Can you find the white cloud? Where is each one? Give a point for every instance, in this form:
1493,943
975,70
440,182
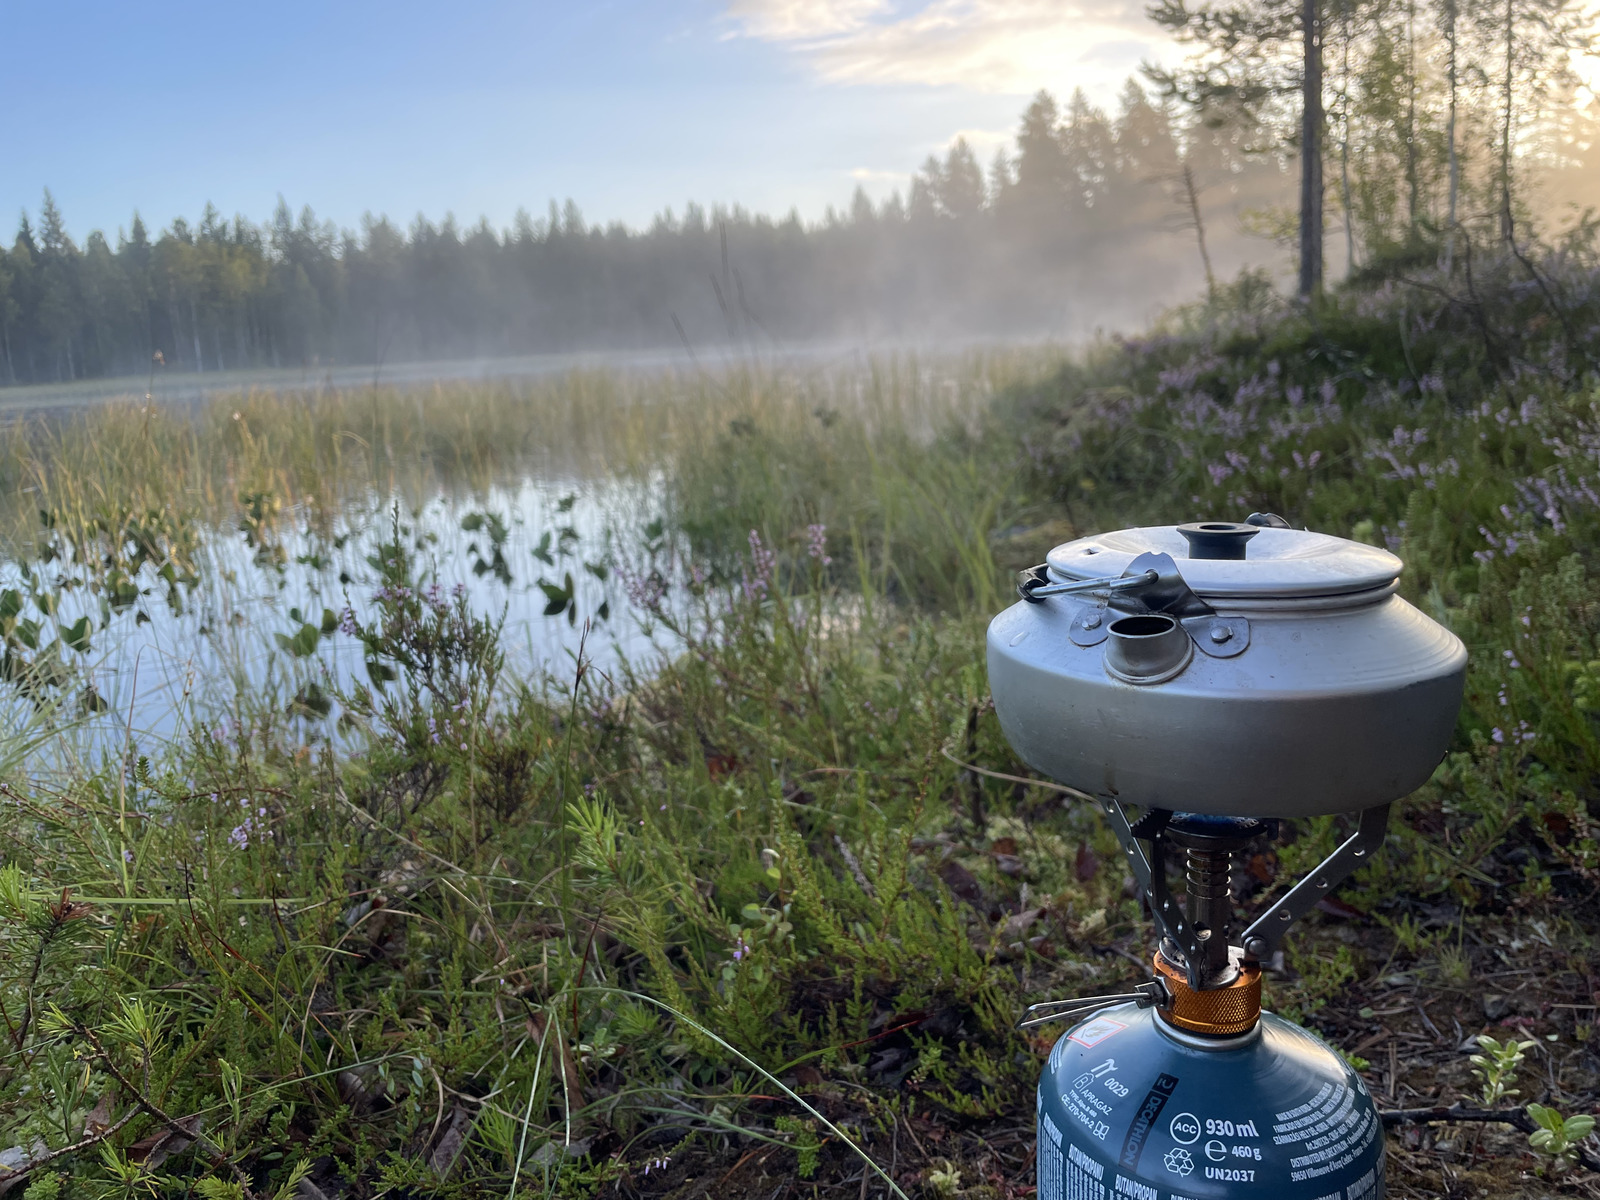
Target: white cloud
783,20
998,46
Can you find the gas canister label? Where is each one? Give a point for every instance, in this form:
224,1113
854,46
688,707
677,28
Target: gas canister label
1331,1132
1096,1031
1116,1123
1070,1176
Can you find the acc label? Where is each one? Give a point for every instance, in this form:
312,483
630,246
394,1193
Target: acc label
1185,1129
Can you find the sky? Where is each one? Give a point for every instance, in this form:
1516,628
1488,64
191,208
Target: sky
479,107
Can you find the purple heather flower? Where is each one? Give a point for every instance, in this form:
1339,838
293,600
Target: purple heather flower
763,563
817,546
644,591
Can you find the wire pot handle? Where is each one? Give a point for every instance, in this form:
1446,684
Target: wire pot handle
1034,584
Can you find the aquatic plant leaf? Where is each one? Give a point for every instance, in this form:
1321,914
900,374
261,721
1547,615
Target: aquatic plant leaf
77,635
302,643
558,596
311,702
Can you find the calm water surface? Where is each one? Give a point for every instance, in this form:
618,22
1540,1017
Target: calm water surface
159,675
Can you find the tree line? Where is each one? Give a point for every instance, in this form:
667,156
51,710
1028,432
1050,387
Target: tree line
1443,124
1436,116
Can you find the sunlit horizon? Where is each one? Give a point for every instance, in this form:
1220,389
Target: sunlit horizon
626,108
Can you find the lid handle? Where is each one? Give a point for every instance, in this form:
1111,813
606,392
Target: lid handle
1218,539
1266,521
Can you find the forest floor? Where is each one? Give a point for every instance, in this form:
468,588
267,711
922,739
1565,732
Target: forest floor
1410,1027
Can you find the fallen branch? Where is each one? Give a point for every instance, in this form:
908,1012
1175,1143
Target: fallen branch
1517,1118
15,1174
188,1133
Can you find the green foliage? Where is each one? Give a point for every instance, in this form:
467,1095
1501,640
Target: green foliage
944,1181
502,921
310,947
1557,1139
803,1136
1496,1067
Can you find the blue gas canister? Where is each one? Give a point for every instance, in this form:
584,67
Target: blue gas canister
1131,1107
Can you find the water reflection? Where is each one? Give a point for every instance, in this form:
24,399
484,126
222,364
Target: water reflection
262,621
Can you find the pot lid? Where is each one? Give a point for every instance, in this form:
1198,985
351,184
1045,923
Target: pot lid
1277,563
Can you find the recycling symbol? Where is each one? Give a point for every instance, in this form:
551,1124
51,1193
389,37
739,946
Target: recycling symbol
1179,1161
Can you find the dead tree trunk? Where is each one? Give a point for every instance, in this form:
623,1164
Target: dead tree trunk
1192,194
1311,156
1507,224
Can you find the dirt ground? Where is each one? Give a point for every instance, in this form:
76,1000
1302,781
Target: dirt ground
1413,1029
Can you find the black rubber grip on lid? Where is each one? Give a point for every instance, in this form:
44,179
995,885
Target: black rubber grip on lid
1218,539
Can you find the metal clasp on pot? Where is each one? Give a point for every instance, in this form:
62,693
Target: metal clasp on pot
1152,584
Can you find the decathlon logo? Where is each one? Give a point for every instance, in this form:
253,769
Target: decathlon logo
1144,1120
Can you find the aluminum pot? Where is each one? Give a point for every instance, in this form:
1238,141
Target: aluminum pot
1240,669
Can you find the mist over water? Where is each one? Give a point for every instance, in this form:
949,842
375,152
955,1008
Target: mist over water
1092,226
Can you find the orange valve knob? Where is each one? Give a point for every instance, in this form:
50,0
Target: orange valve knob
1223,1011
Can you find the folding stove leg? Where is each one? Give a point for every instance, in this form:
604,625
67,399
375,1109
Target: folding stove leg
1150,873
1266,931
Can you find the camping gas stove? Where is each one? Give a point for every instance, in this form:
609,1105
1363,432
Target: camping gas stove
1216,676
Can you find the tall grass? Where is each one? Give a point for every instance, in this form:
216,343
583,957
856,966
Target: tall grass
314,448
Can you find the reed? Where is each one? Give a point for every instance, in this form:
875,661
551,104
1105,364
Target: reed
315,447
